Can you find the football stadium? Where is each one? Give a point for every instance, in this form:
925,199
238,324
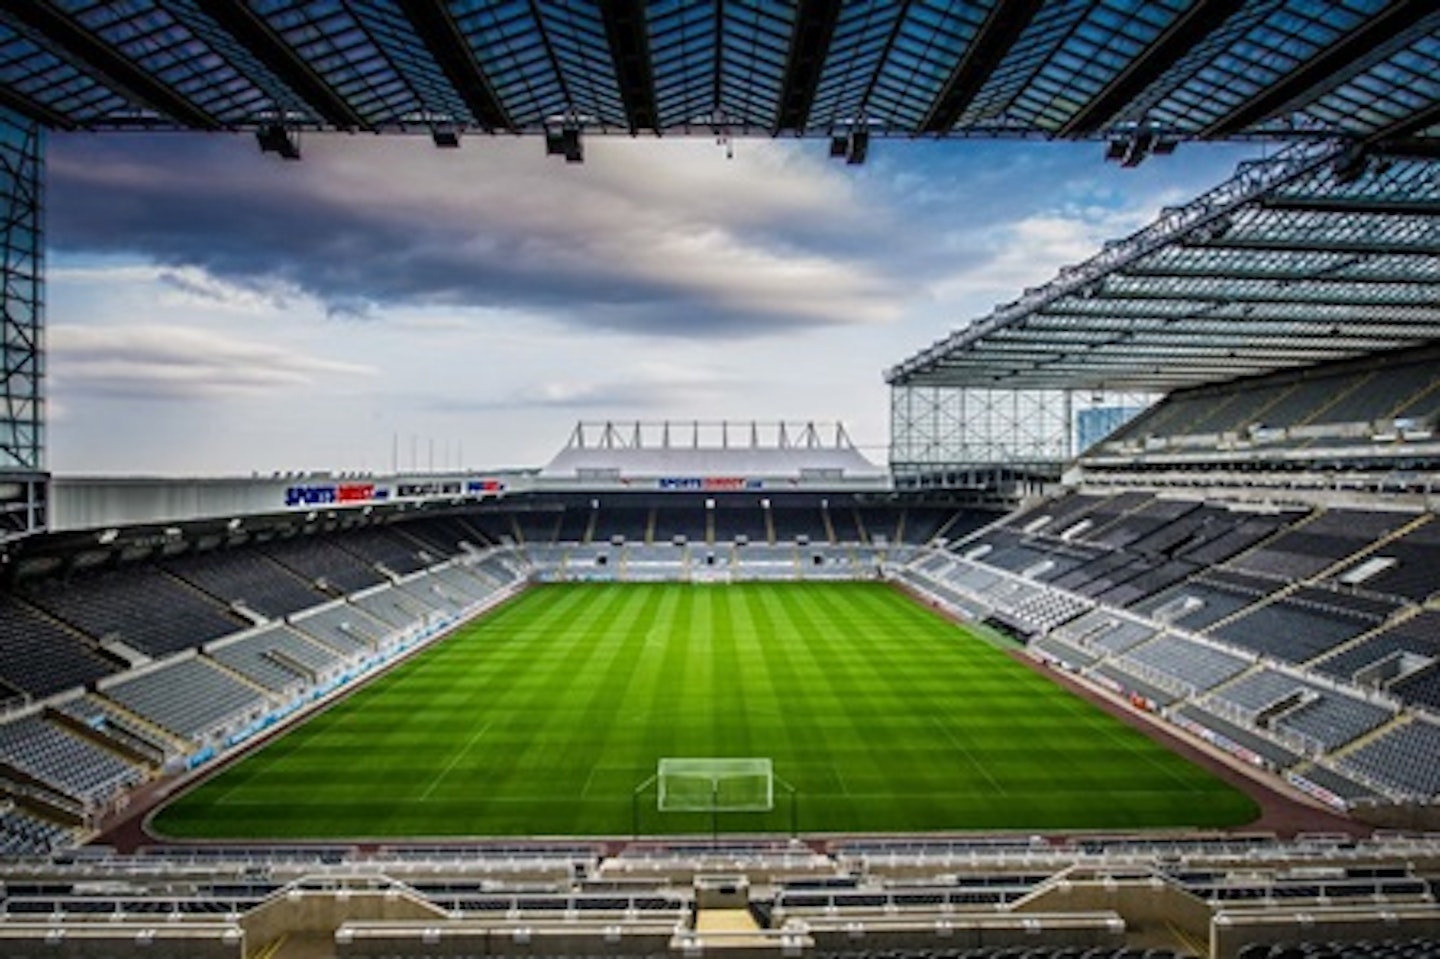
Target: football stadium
1127,646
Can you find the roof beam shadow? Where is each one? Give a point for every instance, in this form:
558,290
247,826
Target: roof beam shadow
628,35
1327,69
443,38
253,33
1358,205
66,33
814,28
1189,29
996,36
34,110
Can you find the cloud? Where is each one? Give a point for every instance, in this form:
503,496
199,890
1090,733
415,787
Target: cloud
649,386
1031,250
177,363
653,238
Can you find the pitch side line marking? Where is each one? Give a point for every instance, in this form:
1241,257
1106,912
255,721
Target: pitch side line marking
451,765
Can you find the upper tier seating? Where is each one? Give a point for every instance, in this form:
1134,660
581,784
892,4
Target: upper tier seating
40,657
539,527
1300,405
1405,566
1419,634
1290,631
141,606
247,576
1306,549
319,560
438,536
384,547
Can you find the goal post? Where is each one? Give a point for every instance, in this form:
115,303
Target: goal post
715,785
687,788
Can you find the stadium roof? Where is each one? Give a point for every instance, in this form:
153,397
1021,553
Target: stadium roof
1317,253
1151,72
698,449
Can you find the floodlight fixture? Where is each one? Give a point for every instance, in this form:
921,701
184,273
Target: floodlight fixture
445,136
275,138
565,141
859,147
574,148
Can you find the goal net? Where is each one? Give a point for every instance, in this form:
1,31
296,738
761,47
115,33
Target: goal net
715,785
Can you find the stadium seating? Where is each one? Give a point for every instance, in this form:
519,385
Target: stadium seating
1404,758
276,658
63,761
40,657
248,577
345,629
189,697
143,607
323,563
1317,408
1318,715
23,834
380,546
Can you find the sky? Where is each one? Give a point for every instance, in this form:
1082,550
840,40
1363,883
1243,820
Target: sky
215,311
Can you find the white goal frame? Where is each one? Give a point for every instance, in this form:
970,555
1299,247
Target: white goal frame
715,785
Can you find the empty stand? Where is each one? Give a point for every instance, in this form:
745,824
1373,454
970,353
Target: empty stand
73,766
249,577
324,564
143,607
190,698
41,657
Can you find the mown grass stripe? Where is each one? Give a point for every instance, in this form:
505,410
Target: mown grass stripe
541,719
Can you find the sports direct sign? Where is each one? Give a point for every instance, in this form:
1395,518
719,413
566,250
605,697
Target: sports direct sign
708,484
354,494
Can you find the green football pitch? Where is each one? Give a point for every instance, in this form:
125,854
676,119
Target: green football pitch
542,718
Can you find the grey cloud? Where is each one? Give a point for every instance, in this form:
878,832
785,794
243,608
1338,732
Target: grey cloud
672,245
169,363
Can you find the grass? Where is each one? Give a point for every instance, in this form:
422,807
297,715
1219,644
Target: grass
542,718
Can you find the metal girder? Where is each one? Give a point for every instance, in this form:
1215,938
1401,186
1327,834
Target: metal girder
31,109
1293,329
64,32
432,21
629,39
1366,206
1262,244
1324,274
1188,30
1007,20
814,27
1327,69
1238,297
265,45
1422,312
1418,122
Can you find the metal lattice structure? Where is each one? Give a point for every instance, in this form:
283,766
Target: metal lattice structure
1150,72
1313,255
22,481
1321,251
